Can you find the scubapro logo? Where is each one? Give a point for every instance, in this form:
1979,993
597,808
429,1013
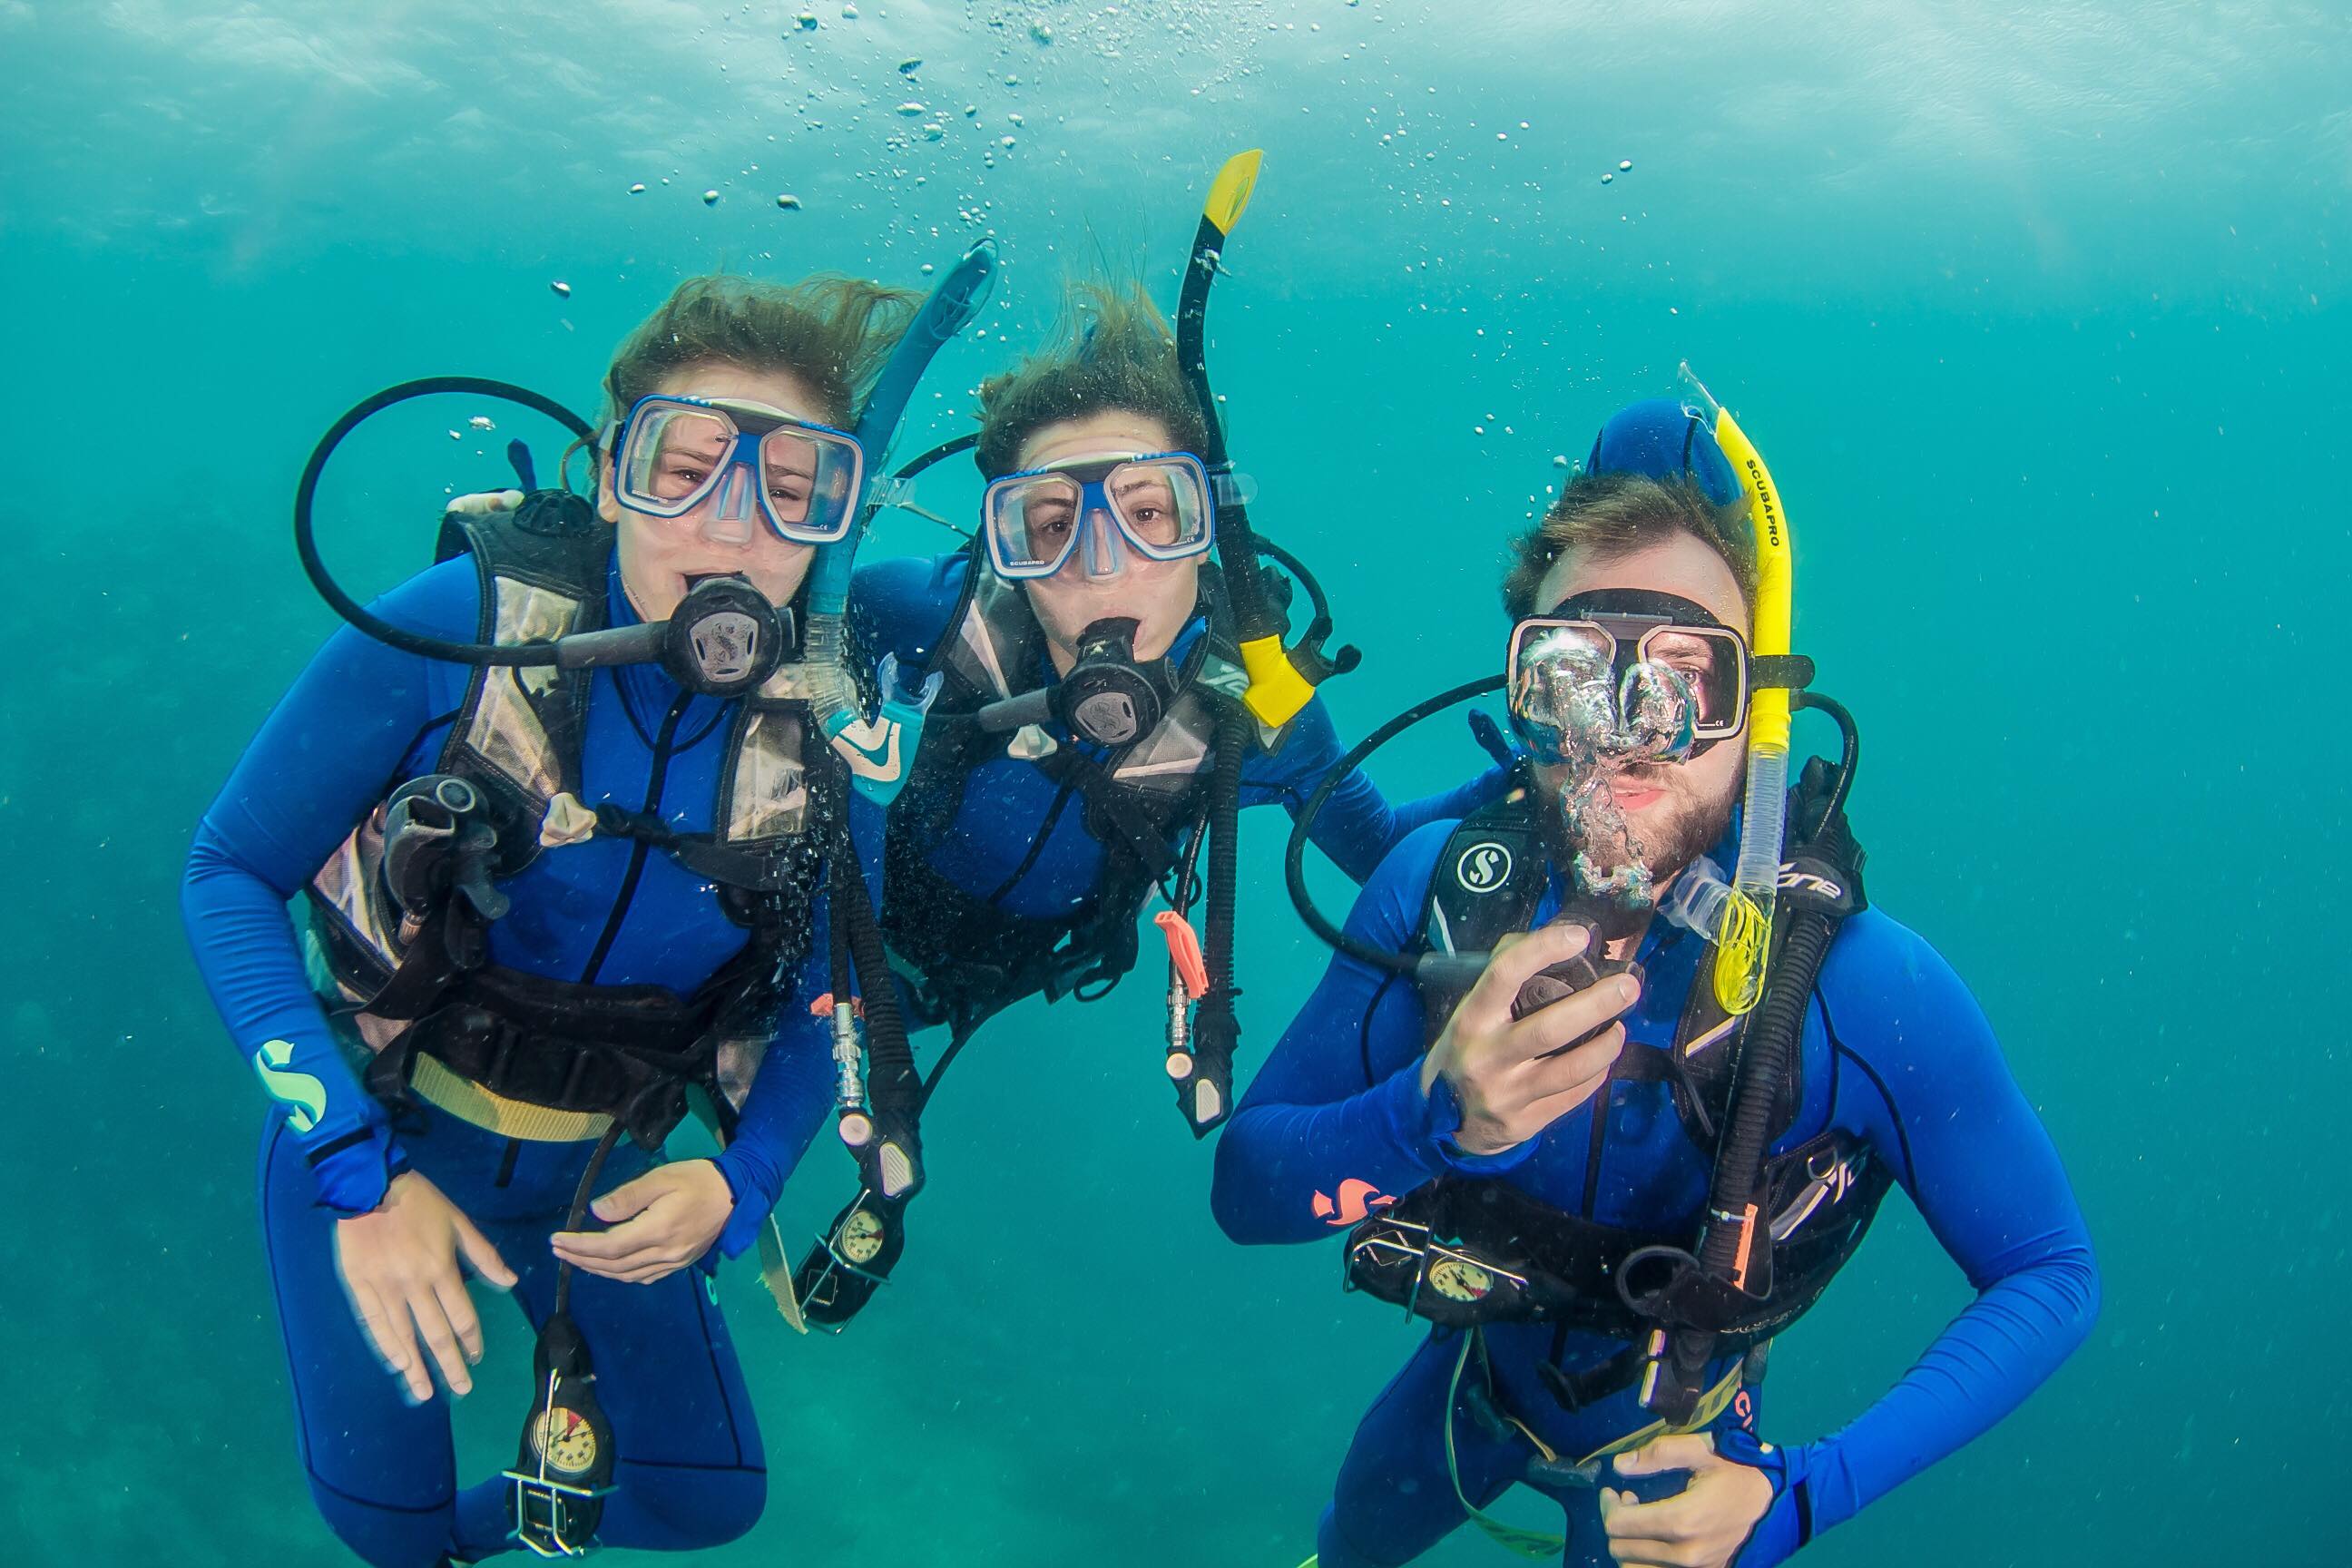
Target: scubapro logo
1483,867
304,1097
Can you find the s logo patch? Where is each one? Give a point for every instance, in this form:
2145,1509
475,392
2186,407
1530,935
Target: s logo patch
304,1097
1483,867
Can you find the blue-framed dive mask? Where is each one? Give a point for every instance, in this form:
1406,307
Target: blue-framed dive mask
732,464
1159,505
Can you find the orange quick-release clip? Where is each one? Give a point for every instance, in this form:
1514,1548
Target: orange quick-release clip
1184,950
823,1007
1747,1248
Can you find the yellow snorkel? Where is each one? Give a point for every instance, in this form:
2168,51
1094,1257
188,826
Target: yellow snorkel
1745,942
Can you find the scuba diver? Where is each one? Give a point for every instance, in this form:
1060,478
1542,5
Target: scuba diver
585,816
1610,1116
1112,698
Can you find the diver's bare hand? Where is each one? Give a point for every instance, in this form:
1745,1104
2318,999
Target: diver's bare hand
661,1222
1704,1525
479,503
1510,1089
399,1263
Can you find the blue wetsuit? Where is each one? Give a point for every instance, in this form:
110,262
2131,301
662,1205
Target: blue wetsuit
991,847
361,719
1895,1051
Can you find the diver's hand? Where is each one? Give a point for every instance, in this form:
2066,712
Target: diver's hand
661,1222
482,502
399,1263
1702,1526
1510,1089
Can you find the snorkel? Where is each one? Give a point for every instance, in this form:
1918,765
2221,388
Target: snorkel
1745,942
880,751
1281,679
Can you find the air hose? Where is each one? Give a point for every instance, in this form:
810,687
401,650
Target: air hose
1769,1052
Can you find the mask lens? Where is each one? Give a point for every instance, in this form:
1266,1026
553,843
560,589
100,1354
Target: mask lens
1709,661
811,484
1032,522
1561,685
1162,507
1552,664
672,457
789,467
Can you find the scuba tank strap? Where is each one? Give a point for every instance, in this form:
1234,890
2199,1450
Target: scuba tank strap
1203,1078
1113,806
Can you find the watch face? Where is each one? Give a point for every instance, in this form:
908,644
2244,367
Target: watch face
861,1236
566,1441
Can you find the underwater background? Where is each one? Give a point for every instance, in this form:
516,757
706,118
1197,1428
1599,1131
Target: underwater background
2039,313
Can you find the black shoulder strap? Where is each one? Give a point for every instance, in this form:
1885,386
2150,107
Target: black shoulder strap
554,540
1490,878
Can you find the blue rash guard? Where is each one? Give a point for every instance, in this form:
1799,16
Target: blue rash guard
903,606
1895,1051
360,720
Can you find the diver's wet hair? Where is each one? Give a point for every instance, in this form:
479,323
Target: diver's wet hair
1112,349
830,332
1610,516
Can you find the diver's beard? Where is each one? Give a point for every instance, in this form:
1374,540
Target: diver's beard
1616,860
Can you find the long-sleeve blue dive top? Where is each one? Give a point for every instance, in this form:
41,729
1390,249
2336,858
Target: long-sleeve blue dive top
991,847
1895,1051
363,717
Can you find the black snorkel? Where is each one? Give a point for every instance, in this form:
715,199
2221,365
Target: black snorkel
1281,678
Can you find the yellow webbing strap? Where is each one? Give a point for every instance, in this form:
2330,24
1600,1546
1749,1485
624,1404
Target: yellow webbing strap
469,1101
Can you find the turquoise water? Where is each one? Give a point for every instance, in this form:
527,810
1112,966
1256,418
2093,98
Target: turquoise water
2039,317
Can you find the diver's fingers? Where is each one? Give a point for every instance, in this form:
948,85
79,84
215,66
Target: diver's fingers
441,1339
1487,1007
646,1273
1558,1085
1691,1451
479,1255
1627,1543
1668,1525
588,1248
391,1338
483,501
1580,1012
458,1307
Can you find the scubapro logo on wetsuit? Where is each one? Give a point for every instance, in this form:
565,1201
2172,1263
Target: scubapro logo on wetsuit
1483,867
304,1097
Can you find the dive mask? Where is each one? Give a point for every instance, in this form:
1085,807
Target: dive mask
744,461
1160,506
1627,674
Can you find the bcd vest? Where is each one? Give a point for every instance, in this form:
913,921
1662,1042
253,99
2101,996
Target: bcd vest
1464,1250
624,1050
964,957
